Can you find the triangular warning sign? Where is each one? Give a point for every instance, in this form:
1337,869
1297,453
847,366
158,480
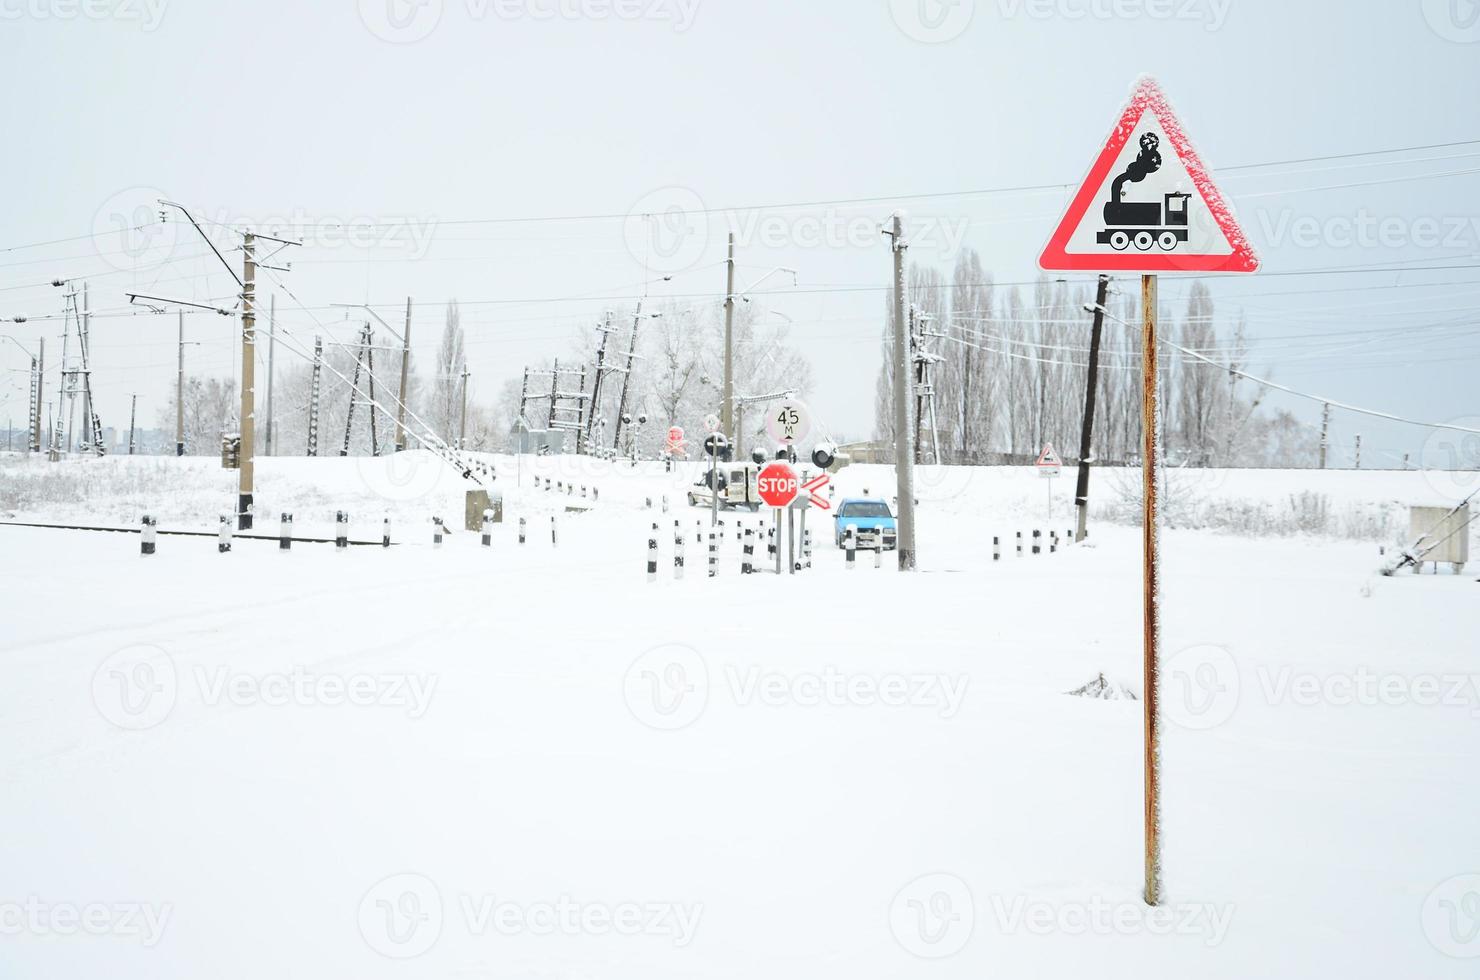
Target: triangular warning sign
1148,204
1048,457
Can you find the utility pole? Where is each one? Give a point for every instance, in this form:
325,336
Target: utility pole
1150,594
1325,427
180,391
727,394
40,383
405,369
1359,451
462,425
605,329
627,378
313,396
904,465
1087,434
269,447
133,414
249,385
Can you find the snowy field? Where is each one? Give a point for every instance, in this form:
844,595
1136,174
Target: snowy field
528,761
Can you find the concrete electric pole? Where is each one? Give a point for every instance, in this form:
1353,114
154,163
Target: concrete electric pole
904,456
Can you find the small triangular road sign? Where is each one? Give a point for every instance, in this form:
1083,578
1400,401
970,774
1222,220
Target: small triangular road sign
1048,457
1148,205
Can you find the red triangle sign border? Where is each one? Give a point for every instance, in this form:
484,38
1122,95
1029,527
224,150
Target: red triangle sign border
1147,95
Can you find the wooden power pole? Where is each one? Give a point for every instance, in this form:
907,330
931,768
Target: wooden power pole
1087,434
727,391
904,461
405,368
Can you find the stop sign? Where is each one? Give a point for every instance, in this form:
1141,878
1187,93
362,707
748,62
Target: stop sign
777,484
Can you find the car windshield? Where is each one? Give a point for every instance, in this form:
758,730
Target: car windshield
865,508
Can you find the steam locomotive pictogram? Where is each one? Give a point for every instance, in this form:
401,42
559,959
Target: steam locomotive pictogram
1144,223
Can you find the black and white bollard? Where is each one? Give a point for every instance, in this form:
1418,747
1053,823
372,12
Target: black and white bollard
677,550
385,533
806,547
1053,542
559,486
146,536
521,530
665,503
1020,544
553,541
771,545
647,503
488,529
747,557
341,530
595,494
437,532
1037,544
583,491
850,544
285,532
652,561
713,555
878,548
223,539
698,532
996,548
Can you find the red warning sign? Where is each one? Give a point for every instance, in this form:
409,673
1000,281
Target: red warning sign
1148,205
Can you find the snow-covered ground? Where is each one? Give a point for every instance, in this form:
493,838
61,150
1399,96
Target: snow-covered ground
529,761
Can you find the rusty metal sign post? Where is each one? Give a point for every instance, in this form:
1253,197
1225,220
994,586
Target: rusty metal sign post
1150,465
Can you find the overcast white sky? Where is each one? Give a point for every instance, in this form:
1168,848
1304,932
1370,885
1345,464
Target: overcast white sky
429,119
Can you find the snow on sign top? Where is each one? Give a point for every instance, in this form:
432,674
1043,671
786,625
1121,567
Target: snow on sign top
1148,204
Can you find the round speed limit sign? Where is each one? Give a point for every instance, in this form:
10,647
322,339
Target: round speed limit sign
788,422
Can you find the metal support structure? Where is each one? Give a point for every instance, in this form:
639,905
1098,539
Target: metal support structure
133,416
1325,429
727,392
180,391
248,422
313,396
269,446
583,440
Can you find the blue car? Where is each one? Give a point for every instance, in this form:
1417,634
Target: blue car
871,517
